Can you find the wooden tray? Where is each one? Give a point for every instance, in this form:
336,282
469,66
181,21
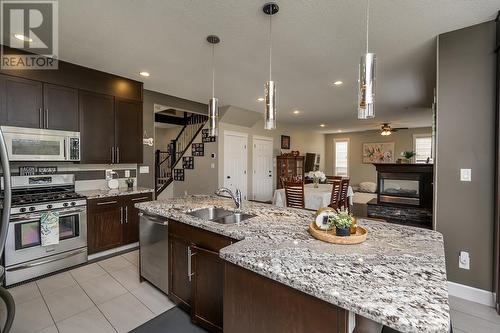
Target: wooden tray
330,237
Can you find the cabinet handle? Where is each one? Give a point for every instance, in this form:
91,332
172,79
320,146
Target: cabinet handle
106,203
40,117
126,214
46,118
117,154
189,255
121,215
141,198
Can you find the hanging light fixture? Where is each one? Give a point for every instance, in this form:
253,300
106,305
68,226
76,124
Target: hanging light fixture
270,9
366,82
213,103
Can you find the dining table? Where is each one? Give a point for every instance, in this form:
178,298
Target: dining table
314,197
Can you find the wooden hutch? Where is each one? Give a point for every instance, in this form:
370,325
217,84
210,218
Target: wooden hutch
289,167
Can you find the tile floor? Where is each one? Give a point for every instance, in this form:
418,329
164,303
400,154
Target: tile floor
106,296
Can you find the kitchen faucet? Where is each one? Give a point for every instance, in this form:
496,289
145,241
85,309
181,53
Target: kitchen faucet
236,198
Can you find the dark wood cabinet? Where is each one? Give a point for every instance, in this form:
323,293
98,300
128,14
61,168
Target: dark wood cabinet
60,108
289,168
113,221
97,127
21,102
196,278
128,131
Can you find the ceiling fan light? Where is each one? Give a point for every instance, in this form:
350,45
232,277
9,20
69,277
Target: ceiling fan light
270,113
366,87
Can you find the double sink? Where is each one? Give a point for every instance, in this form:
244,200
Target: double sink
220,215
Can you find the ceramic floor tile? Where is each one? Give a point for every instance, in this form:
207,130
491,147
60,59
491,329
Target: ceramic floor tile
50,329
90,320
128,277
132,257
87,272
154,299
472,324
103,288
32,316
475,309
67,302
25,292
55,282
114,264
126,312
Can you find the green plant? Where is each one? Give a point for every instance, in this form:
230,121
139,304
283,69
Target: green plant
408,154
341,219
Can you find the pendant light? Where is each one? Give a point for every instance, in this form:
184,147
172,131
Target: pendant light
213,103
270,9
366,83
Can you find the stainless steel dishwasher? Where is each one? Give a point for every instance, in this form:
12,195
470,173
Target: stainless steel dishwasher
153,242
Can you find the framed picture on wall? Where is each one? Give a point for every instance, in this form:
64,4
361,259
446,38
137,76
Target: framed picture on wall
378,152
285,142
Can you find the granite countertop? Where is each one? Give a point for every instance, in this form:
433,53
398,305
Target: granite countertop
397,277
95,194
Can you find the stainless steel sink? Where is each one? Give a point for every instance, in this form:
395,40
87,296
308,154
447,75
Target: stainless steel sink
210,213
233,218
219,215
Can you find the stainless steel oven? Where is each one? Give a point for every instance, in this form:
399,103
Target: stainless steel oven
33,144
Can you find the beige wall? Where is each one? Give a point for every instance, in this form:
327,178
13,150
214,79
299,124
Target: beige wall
163,136
305,141
358,171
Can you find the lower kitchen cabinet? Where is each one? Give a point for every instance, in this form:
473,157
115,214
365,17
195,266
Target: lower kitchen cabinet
113,221
196,278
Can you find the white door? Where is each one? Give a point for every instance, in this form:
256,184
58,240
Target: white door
235,162
262,183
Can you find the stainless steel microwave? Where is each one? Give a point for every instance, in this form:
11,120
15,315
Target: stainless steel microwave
33,144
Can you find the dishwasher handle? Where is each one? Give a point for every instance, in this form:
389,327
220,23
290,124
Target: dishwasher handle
154,219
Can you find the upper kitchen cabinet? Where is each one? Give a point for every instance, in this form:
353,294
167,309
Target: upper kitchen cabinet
60,107
128,131
21,102
97,126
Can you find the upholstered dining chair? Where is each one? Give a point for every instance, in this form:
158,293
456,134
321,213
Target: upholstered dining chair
331,179
294,192
344,186
336,189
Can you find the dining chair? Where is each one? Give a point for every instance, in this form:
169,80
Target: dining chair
294,193
336,189
344,200
331,179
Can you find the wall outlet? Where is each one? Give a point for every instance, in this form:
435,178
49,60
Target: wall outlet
465,175
127,173
144,169
109,174
464,260
212,155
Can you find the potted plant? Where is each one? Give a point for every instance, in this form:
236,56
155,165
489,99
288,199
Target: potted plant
407,155
316,176
342,220
130,183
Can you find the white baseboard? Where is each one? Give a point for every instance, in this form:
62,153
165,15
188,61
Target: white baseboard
471,294
113,251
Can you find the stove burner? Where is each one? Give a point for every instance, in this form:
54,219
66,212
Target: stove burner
23,199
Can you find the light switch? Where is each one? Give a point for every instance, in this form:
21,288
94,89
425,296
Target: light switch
144,169
465,175
127,173
212,165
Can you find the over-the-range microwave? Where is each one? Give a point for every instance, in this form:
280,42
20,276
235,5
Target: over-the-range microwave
33,144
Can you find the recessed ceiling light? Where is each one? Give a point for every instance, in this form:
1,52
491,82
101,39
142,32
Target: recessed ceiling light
23,38
146,74
338,83
296,111
322,125
260,99
339,131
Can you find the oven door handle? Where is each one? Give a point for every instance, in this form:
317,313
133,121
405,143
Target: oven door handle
34,217
47,261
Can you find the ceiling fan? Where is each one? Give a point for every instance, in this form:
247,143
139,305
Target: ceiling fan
387,130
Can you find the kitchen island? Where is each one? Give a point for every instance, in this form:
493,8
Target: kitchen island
397,277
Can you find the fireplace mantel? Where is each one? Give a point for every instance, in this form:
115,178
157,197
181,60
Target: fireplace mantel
396,167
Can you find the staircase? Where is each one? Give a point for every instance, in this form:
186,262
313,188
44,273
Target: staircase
166,161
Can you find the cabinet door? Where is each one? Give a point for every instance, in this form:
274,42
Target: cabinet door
104,224
60,107
128,131
131,217
179,270
208,289
97,125
20,102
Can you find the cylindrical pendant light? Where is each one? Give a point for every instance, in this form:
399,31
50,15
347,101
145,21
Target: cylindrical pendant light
270,9
213,103
366,82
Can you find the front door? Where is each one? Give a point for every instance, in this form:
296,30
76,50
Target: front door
235,162
262,169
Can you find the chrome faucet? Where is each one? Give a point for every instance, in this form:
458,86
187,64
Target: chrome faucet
236,198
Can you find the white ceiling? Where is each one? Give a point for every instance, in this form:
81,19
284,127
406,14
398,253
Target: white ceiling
316,42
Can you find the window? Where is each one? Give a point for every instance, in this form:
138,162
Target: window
422,145
341,157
